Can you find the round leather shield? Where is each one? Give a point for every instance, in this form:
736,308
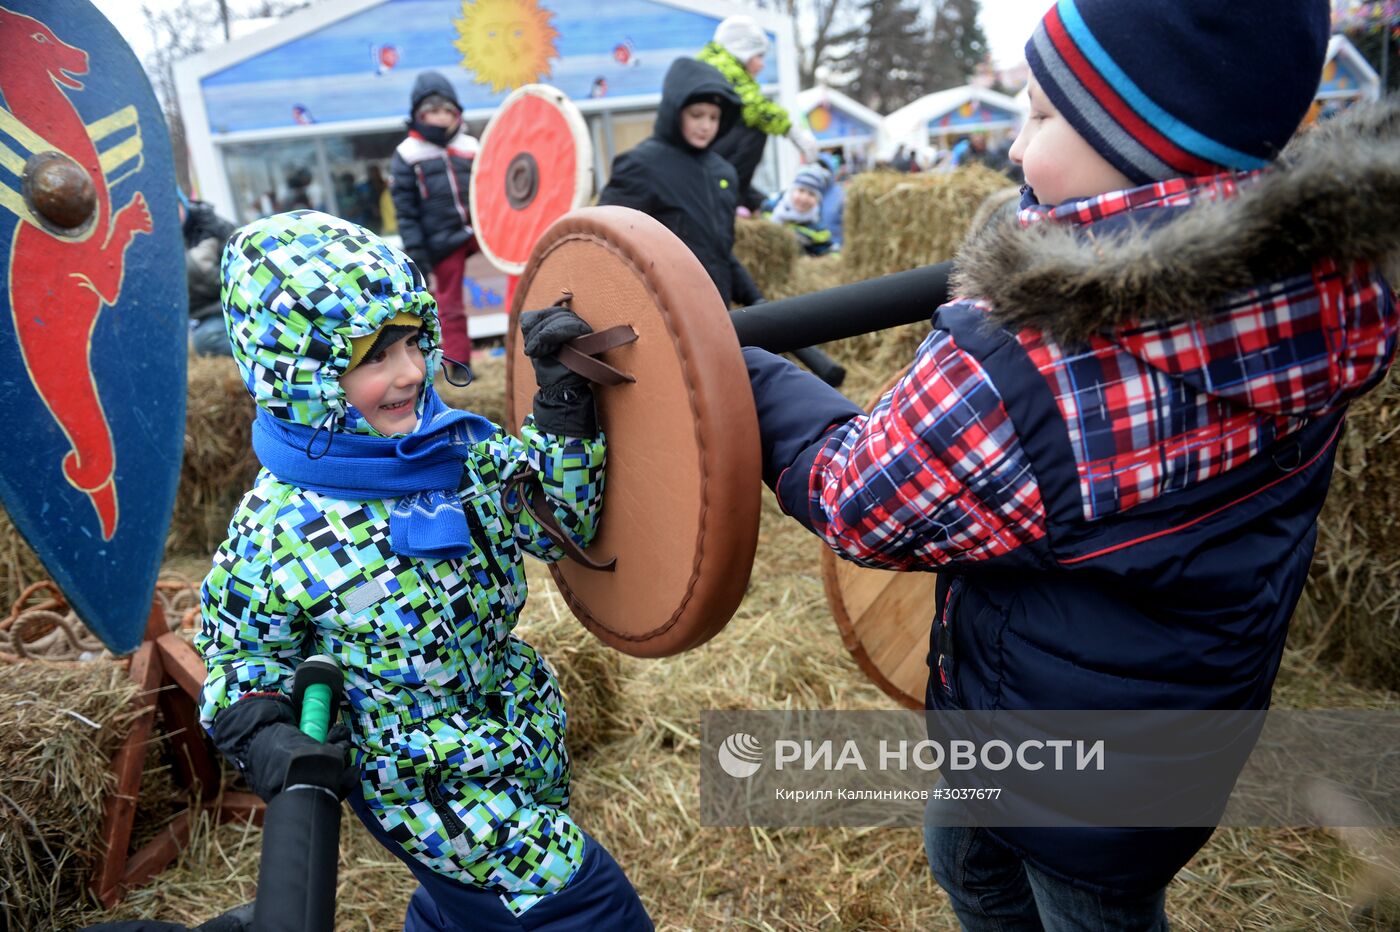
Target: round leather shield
535,165
883,618
681,506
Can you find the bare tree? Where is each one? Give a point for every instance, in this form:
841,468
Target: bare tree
822,31
904,49
176,33
185,30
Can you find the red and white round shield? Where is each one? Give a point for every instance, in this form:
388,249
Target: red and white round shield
535,165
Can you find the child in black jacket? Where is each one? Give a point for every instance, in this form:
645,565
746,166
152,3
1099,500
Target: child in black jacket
674,177
431,170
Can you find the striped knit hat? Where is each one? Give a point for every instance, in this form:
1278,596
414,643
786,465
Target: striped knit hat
1165,88
814,178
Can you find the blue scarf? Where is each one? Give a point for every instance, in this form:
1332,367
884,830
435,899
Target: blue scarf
423,470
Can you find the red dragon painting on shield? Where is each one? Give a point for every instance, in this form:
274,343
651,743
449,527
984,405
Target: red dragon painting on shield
60,281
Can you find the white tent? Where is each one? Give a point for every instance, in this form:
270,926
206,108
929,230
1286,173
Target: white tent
1346,78
954,112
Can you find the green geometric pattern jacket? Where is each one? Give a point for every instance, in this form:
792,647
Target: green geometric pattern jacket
458,726
759,112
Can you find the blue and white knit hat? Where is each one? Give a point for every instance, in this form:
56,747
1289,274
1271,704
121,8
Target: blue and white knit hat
814,178
1186,87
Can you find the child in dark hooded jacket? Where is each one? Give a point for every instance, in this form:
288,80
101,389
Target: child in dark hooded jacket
679,181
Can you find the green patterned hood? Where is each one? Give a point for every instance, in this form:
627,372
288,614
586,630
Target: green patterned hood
297,288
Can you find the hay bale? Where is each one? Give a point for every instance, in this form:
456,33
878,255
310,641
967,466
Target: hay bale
486,395
769,252
897,221
814,273
1350,612
219,464
56,780
218,870
639,795
19,567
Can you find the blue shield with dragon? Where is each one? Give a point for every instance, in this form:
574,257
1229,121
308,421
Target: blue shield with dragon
93,331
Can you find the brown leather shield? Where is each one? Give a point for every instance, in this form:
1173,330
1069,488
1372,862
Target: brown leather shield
682,486
883,618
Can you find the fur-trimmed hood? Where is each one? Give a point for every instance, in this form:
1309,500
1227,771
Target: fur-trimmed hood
1333,194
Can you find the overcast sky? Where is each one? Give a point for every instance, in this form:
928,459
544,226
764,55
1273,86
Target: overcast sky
126,16
1007,23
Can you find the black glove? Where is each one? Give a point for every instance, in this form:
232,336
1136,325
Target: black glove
257,734
564,402
339,737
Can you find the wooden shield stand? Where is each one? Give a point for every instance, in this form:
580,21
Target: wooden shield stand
170,674
884,618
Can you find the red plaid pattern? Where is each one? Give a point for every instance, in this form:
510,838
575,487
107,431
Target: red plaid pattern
1137,433
934,474
1173,192
1165,406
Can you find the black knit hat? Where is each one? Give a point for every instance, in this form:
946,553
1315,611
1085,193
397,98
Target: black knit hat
1181,88
428,84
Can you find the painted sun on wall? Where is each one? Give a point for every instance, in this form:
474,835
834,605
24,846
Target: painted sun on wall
506,43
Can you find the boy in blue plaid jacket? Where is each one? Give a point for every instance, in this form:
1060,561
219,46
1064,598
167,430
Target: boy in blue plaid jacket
1115,446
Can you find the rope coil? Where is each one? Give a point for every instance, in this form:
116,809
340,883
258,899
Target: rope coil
41,625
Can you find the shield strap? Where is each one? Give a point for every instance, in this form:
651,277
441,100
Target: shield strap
530,497
579,355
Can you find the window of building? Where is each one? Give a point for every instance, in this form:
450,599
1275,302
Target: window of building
347,176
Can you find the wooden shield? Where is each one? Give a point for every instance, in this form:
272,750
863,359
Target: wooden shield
681,500
93,321
884,618
535,165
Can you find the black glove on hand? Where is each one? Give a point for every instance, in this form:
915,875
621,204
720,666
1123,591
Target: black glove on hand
564,403
339,737
257,734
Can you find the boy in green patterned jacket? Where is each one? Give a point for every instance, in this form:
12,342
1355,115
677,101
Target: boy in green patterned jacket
385,530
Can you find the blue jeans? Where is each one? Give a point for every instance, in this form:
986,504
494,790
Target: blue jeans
993,890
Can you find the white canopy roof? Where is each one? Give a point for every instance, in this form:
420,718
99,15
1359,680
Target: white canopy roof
910,124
